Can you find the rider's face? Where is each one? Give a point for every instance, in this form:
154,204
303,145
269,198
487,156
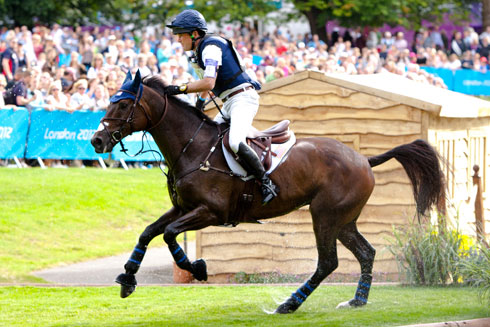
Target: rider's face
186,41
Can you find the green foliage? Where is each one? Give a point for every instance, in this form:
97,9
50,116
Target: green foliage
206,305
427,255
233,11
350,13
55,216
476,271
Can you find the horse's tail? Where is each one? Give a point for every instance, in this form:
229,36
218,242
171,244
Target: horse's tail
421,162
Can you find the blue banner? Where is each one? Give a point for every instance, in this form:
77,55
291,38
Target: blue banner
465,81
471,82
133,143
13,132
63,135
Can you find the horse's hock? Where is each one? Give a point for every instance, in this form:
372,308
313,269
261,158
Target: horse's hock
372,114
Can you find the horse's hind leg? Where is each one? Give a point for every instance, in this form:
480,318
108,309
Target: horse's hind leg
327,262
127,280
364,253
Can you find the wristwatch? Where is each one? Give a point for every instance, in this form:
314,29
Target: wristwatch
183,88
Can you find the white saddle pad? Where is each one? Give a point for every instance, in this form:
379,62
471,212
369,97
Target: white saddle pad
281,150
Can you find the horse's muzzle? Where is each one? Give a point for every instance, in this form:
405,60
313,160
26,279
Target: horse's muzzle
101,143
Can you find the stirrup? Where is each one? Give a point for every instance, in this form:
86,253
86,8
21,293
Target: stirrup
269,191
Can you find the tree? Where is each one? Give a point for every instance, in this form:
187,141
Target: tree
375,13
485,13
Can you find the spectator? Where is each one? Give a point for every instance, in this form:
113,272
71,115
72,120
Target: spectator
10,60
3,85
466,61
75,63
111,88
400,43
141,64
454,62
436,37
101,98
484,48
387,39
17,95
97,64
56,99
79,99
458,46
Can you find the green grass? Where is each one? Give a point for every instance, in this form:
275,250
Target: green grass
232,306
59,216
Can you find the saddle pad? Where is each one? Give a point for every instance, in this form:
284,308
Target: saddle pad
281,150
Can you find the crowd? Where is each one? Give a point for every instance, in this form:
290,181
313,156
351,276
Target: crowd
63,68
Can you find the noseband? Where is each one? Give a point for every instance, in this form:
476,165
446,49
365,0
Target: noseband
116,136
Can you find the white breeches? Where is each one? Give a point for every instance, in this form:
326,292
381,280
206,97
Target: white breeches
241,110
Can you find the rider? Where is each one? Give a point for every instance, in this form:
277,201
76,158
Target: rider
219,66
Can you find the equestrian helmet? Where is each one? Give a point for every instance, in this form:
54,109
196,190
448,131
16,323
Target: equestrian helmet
187,21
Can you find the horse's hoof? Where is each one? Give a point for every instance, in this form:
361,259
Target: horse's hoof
199,270
351,304
289,306
128,284
126,291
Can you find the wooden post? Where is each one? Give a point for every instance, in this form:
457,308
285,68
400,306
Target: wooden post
479,220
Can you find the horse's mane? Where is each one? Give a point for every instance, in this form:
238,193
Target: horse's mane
157,84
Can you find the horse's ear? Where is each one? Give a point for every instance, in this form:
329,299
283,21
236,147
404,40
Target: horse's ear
137,78
136,84
128,77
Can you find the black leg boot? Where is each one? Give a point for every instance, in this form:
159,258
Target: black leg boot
253,166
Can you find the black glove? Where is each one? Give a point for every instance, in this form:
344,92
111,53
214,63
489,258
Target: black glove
176,89
200,104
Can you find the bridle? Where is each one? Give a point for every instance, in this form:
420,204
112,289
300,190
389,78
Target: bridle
116,136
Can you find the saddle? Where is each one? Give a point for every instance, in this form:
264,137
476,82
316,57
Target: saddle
261,141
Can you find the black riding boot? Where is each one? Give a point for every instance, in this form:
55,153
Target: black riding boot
253,166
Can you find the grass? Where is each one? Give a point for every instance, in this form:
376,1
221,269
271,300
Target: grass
232,306
59,216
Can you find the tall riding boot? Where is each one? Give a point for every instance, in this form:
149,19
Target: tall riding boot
252,164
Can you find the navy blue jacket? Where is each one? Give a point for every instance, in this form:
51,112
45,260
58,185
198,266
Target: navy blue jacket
230,74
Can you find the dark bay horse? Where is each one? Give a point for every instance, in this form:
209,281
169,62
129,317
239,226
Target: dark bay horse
334,180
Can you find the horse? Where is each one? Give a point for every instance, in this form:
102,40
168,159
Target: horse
333,179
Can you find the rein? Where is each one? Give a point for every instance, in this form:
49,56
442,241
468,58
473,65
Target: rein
116,136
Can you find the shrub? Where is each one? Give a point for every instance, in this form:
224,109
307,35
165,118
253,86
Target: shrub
428,255
476,271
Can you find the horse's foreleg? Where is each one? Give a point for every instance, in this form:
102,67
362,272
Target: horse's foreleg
128,280
327,262
364,253
194,220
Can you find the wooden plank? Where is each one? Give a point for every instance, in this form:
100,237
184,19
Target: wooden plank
299,266
356,100
279,112
390,176
350,126
386,141
310,86
392,193
388,214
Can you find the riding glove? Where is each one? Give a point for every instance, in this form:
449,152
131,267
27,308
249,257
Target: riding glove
176,89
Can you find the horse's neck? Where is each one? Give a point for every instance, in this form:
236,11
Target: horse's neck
175,132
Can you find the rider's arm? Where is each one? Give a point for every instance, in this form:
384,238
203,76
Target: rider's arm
211,57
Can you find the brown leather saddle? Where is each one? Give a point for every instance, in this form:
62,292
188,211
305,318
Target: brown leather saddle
261,141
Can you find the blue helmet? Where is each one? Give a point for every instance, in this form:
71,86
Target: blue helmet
187,21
